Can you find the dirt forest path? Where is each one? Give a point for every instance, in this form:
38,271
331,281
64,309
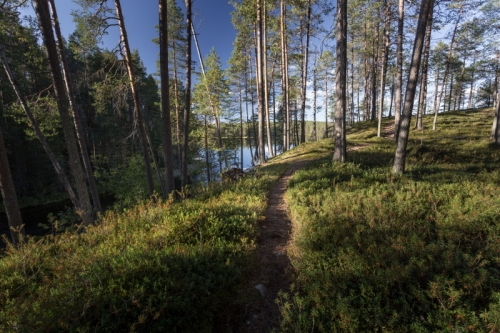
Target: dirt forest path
274,271
274,268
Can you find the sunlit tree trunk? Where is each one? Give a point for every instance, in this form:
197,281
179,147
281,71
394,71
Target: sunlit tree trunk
447,68
304,75
385,59
265,81
260,84
399,65
339,154
404,129
285,84
425,69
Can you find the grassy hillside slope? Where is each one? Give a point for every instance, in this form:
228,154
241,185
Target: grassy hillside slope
420,252
157,267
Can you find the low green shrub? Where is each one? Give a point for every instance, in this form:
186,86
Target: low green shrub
375,252
160,266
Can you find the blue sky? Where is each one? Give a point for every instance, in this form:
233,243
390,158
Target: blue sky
212,21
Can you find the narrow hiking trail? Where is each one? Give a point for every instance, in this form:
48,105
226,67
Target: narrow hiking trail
274,268
274,271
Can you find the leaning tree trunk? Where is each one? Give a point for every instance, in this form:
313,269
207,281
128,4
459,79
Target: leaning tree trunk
404,129
43,14
339,154
425,70
53,159
135,97
8,190
76,114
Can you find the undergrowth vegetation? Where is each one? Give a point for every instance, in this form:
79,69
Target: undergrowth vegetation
157,267
375,252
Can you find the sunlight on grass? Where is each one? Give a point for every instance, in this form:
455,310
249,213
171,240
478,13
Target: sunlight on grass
411,253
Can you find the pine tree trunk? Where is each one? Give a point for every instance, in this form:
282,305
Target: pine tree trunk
404,130
399,65
76,114
135,96
260,84
447,68
285,85
304,75
42,11
8,191
264,78
339,154
425,70
165,99
187,103
53,159
385,59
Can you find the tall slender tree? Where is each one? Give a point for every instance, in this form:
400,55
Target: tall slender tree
404,129
165,98
341,84
43,14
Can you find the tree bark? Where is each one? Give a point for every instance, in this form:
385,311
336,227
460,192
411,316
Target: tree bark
165,99
8,191
264,78
53,159
260,84
304,75
497,114
76,114
285,84
43,14
341,84
135,97
399,65
404,130
385,59
187,103
425,70
447,68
